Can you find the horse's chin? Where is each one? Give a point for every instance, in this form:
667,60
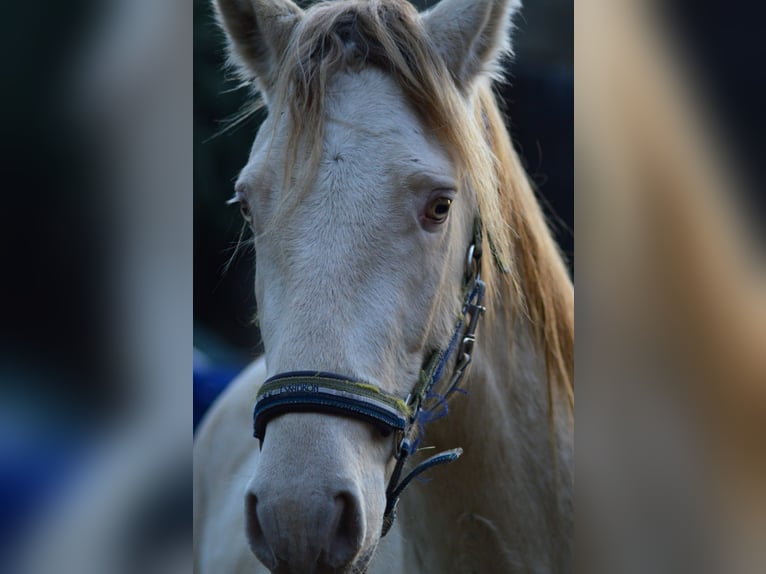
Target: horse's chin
362,563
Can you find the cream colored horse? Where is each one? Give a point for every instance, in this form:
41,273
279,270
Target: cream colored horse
382,145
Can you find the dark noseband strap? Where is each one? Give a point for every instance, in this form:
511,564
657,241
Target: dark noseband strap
318,392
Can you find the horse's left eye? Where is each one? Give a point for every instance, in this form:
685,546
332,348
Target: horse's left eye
244,209
438,210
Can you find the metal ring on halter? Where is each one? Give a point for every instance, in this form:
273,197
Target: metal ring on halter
468,343
471,264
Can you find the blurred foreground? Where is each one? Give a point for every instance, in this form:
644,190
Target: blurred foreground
671,305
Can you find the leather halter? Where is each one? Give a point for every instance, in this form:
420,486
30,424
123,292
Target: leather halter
328,393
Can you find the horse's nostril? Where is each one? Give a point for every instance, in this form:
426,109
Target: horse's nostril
347,530
304,534
255,536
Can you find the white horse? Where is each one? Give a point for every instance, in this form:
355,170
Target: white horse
383,148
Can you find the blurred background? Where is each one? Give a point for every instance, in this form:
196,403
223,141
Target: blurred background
539,103
95,296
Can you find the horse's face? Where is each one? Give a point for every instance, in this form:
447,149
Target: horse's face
361,276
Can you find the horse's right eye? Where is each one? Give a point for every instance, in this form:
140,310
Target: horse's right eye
438,210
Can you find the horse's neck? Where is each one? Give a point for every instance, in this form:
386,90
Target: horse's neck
506,505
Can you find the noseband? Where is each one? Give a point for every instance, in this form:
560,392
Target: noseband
328,393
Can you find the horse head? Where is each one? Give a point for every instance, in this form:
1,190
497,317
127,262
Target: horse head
361,193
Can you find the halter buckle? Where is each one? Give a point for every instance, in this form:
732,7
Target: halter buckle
467,345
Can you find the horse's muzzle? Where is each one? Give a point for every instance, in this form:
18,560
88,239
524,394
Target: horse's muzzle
317,533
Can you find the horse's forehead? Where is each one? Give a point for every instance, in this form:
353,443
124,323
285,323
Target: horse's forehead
370,106
372,137
367,117
370,125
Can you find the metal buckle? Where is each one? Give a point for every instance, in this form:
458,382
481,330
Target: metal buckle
475,311
399,443
467,345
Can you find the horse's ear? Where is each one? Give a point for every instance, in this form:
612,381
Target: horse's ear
471,35
258,33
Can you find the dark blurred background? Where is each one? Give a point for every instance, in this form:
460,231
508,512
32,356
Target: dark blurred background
539,102
726,51
95,288
53,356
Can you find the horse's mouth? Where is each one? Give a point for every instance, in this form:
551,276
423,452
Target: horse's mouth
359,566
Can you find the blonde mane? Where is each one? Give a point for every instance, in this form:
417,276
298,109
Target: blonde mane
388,34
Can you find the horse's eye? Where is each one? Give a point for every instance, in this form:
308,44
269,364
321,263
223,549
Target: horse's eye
244,209
438,210
240,199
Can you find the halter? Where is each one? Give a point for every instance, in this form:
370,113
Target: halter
320,392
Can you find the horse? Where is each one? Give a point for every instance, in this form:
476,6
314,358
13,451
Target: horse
398,240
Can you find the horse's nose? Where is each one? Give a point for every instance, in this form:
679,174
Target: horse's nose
320,534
